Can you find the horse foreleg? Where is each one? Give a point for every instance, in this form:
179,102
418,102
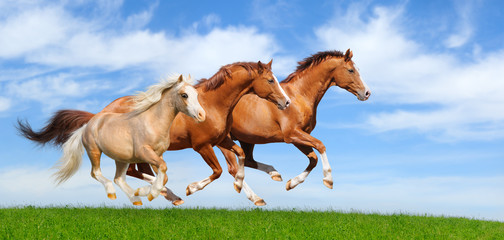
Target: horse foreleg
166,192
301,138
145,173
120,180
208,155
312,157
248,148
233,168
149,156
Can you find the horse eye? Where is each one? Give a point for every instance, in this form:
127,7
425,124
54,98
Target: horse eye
184,95
351,70
271,80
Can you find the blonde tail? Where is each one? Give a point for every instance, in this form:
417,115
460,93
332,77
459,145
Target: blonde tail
71,160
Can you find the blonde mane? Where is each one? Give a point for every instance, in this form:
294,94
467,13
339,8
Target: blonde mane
144,100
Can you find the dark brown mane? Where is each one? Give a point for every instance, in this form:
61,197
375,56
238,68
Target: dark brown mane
225,71
313,60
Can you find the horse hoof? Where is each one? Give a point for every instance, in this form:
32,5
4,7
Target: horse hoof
238,189
150,197
138,203
288,185
187,191
277,178
178,202
112,196
260,202
328,183
137,192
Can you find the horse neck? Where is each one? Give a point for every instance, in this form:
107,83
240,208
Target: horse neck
312,83
161,114
226,96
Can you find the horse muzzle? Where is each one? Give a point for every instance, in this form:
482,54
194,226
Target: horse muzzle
364,96
284,105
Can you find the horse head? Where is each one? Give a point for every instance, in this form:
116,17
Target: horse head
266,85
348,78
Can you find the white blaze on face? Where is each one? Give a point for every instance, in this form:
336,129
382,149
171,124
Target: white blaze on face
281,89
366,88
193,105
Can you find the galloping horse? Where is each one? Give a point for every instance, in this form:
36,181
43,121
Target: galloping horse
257,122
140,136
218,95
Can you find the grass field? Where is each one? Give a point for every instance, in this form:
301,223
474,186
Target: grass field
130,223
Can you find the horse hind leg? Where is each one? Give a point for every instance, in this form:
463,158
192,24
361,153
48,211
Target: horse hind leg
94,156
226,147
250,162
209,156
312,156
301,138
120,180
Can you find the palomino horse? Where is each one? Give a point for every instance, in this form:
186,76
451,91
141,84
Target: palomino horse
140,136
218,95
257,122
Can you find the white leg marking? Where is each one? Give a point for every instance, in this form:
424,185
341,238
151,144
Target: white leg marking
297,180
240,174
149,178
252,196
328,180
326,167
196,186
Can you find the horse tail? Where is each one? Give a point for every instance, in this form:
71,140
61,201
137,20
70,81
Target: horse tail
58,129
69,163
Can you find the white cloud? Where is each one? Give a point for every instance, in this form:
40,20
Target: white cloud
5,104
441,95
140,20
465,28
30,30
50,39
52,90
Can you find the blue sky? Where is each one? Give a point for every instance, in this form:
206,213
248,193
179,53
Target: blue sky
428,141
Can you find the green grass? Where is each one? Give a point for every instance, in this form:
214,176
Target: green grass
173,223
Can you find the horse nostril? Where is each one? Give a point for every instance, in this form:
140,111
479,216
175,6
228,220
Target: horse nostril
201,115
287,103
368,93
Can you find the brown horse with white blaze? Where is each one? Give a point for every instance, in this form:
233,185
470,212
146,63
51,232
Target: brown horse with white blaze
257,122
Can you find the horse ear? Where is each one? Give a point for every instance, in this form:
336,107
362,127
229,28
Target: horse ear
269,64
180,79
261,67
189,78
348,55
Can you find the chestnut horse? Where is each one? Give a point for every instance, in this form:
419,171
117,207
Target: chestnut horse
218,96
140,136
257,122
